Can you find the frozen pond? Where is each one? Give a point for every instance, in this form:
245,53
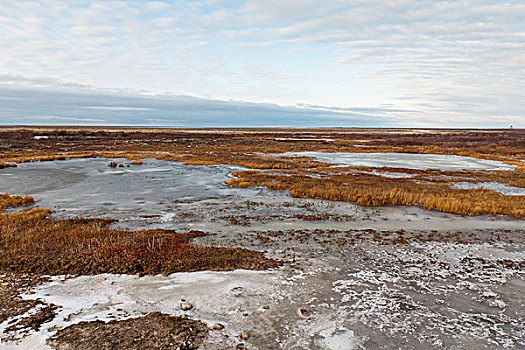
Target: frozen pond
90,187
505,190
172,195
405,160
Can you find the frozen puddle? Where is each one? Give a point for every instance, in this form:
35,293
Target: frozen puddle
238,299
301,139
405,160
505,190
390,174
89,187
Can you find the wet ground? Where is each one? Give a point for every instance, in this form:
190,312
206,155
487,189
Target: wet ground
354,277
176,196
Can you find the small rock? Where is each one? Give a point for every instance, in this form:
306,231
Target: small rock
218,326
304,311
489,294
237,291
498,303
184,305
244,336
472,286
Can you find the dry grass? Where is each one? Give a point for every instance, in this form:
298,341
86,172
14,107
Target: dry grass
153,331
7,201
32,242
4,165
373,190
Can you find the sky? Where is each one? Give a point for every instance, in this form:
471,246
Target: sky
402,63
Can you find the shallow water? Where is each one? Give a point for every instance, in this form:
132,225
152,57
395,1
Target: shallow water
90,187
405,160
175,196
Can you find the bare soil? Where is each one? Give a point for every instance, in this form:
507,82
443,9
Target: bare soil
153,331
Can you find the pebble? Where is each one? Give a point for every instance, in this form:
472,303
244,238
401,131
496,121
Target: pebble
237,291
218,326
304,312
498,303
489,294
244,336
184,305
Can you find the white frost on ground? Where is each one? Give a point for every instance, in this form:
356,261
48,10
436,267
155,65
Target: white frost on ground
107,296
217,297
384,298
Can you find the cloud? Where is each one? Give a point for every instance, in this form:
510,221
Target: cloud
118,108
455,59
54,118
76,107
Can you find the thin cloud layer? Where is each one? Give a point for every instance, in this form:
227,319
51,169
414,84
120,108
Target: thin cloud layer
442,62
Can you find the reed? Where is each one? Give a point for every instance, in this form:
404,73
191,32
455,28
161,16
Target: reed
372,190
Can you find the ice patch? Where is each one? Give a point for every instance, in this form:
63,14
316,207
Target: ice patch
505,190
107,296
404,160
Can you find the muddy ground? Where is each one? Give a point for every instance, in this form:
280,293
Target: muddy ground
353,277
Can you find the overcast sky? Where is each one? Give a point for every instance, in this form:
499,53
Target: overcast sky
401,63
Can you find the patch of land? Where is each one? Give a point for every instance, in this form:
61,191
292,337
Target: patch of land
221,238
153,331
17,310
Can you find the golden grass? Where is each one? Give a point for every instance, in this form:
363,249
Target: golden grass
32,242
372,190
4,165
7,201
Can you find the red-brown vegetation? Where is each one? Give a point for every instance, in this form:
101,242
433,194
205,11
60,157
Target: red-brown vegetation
30,241
153,331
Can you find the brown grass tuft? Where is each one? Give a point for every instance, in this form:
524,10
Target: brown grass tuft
372,190
32,242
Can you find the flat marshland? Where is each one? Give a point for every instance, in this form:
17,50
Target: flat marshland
287,238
